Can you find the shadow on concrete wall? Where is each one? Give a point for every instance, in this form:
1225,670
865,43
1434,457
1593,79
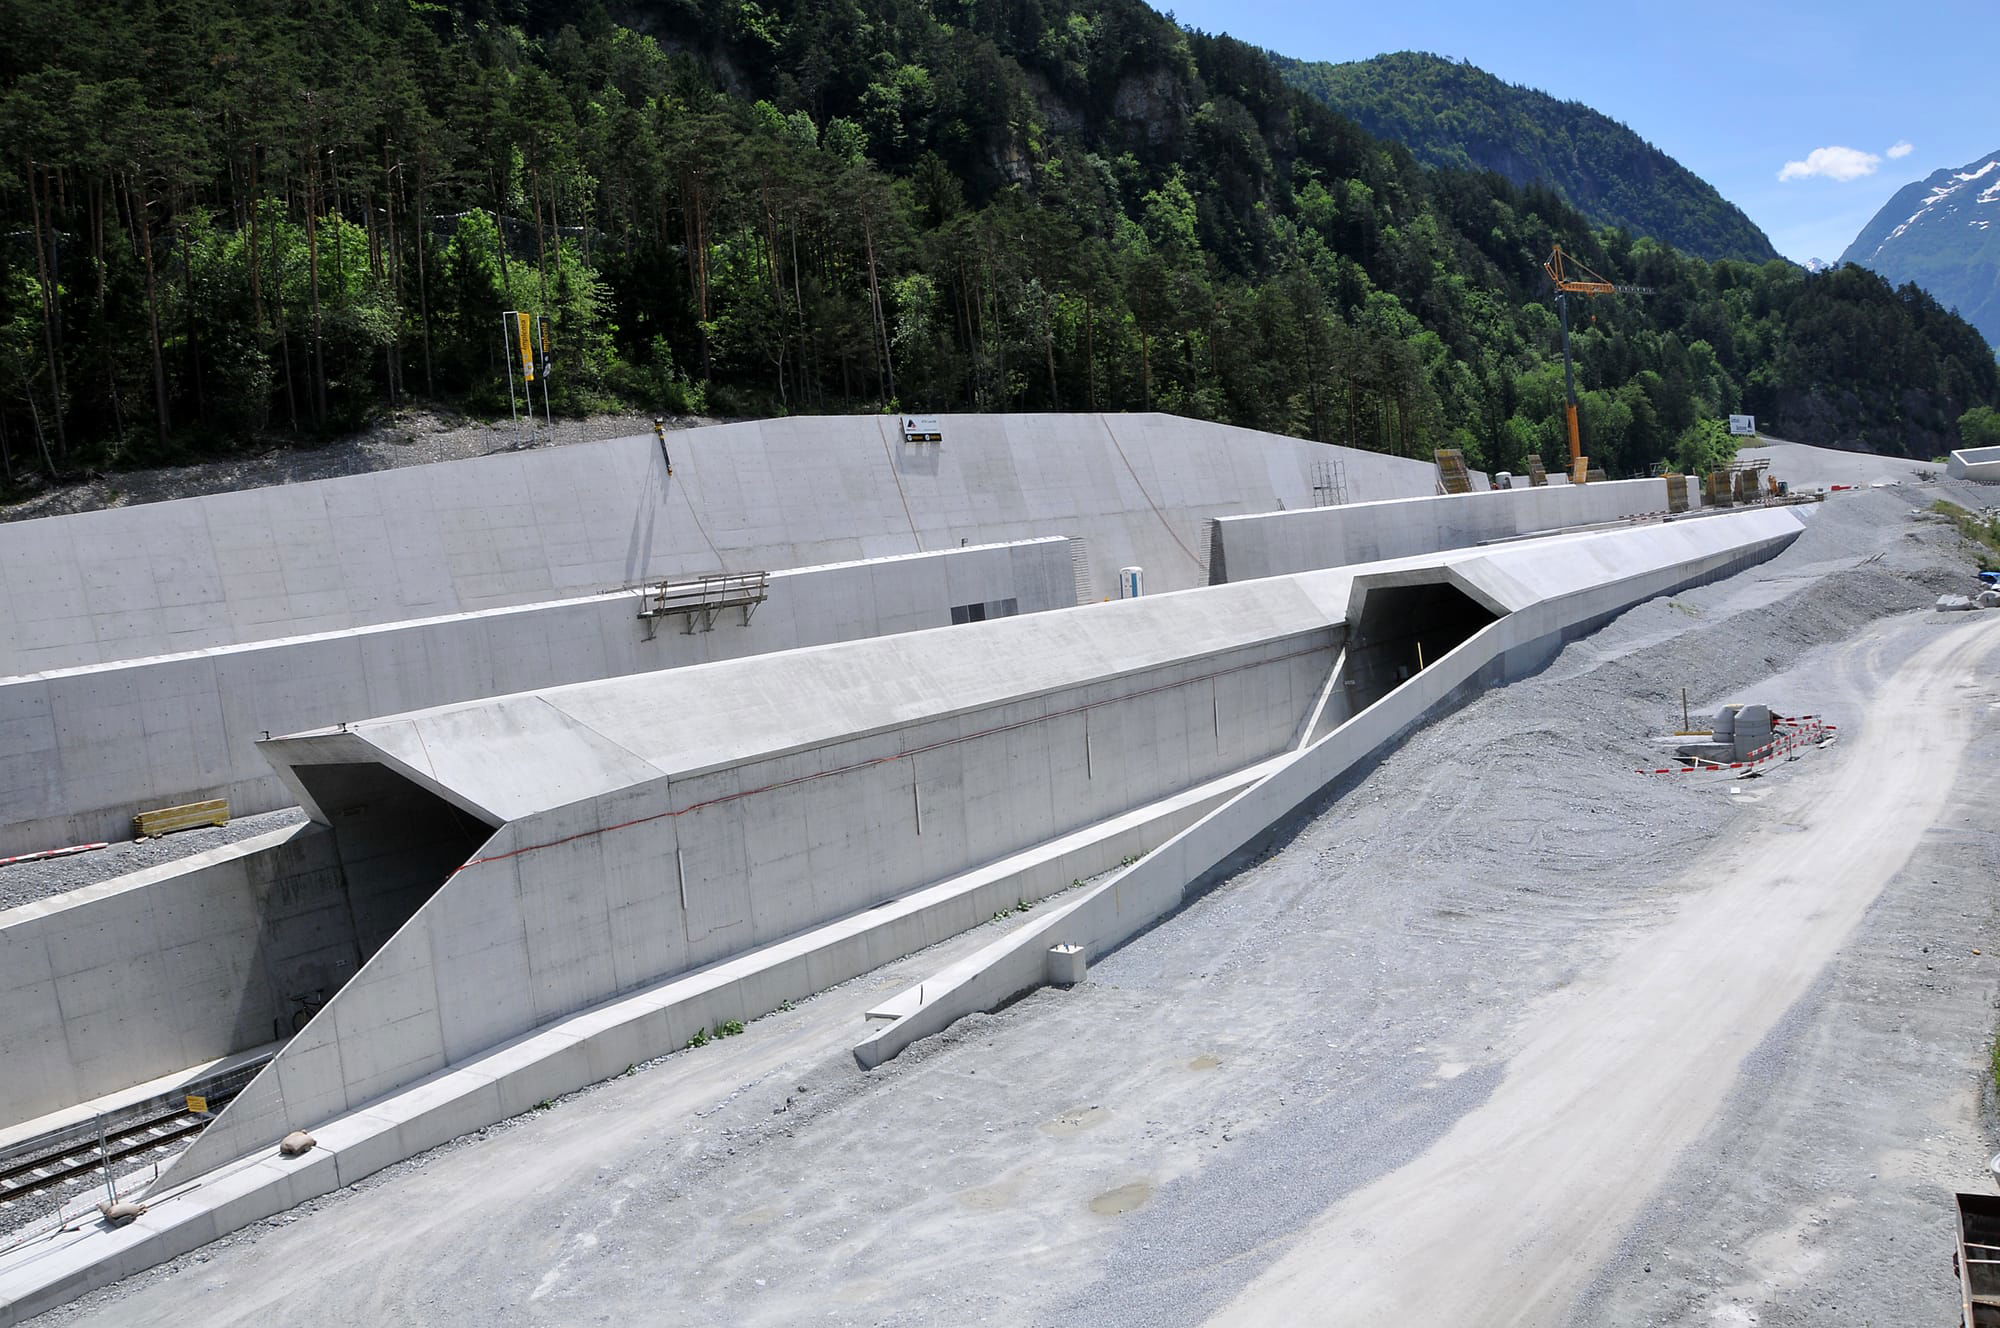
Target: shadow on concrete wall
387,847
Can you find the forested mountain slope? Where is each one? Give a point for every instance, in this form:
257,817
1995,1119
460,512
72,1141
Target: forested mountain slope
226,217
1457,116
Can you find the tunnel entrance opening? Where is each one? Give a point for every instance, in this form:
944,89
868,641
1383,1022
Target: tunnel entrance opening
396,843
1403,630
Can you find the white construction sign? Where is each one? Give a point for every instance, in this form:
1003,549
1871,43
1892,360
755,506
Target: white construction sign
1743,426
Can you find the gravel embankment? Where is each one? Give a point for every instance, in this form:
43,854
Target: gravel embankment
25,882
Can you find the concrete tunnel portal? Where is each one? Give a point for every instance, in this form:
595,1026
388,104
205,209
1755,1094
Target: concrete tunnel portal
1396,631
396,844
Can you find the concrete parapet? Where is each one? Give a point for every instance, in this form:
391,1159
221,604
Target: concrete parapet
1274,543
93,745
1975,463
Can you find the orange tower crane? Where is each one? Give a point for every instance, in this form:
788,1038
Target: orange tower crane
1589,283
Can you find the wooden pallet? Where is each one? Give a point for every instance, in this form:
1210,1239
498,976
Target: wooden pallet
187,816
1538,476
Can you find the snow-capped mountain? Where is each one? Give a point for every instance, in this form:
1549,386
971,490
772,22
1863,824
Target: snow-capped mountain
1944,234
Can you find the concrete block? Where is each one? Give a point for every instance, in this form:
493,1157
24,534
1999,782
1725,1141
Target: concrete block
1067,965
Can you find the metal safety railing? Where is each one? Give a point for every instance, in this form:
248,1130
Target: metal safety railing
699,599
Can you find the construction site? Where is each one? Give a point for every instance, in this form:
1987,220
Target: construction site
1014,869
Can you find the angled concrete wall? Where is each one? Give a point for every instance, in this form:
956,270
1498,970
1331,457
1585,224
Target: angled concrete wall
1975,463
83,749
798,789
1561,591
122,982
426,541
1244,548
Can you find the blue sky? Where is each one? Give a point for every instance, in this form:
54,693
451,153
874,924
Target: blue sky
1734,92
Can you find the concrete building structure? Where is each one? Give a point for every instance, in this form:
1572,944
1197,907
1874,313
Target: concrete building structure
796,789
1541,594
566,880
1975,463
88,747
527,527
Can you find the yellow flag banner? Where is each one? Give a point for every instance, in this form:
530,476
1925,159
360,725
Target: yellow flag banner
523,322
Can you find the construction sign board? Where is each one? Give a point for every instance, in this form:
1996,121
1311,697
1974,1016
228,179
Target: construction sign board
524,338
922,429
1743,426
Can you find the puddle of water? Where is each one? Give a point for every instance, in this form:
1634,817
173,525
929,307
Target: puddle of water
991,1198
1075,1121
1123,1199
1204,1062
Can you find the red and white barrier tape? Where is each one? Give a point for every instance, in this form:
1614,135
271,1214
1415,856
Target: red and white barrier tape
51,853
1803,734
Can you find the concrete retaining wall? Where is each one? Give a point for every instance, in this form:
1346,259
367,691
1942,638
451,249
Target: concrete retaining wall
516,528
574,905
122,982
81,750
1244,548
1560,599
590,1045
1975,463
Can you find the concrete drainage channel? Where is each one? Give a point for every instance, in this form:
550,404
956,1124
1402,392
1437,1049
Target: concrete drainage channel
1253,674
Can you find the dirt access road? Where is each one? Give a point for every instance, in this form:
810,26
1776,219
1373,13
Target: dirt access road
1505,1218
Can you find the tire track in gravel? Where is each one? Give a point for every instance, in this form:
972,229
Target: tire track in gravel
1505,1218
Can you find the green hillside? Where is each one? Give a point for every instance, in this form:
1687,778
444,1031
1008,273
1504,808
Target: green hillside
226,220
1457,116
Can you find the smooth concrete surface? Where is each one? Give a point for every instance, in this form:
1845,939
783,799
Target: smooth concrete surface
118,983
517,528
86,748
790,789
1243,548
376,1079
1975,463
593,1044
655,824
1804,466
1556,594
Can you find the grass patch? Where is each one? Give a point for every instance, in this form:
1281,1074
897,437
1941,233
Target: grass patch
1983,531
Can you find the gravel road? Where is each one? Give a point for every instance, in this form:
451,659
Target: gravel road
1348,1019
1616,1074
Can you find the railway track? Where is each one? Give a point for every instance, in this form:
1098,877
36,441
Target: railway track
80,1157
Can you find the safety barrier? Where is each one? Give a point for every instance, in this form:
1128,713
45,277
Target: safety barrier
1802,731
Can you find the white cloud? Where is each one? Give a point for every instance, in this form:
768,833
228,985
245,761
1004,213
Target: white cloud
1834,163
1902,149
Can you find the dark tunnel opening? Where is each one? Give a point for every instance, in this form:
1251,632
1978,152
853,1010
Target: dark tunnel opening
395,843
1404,630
